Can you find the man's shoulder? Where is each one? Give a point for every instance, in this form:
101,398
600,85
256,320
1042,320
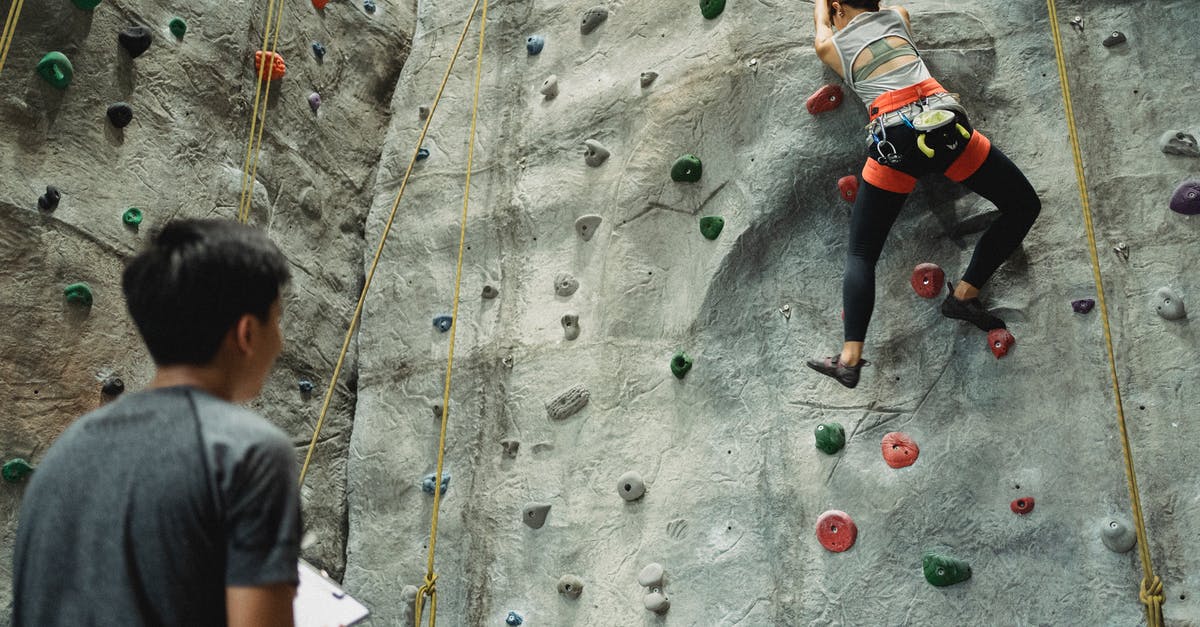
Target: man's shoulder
227,419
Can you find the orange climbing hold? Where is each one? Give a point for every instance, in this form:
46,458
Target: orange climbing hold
848,186
277,69
827,98
836,531
899,450
319,4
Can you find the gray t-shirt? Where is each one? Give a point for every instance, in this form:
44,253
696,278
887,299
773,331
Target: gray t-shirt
144,510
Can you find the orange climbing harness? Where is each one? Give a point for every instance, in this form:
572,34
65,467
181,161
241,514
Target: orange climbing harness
262,90
1151,592
10,29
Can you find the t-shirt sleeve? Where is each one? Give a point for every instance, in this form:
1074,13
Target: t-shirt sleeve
263,517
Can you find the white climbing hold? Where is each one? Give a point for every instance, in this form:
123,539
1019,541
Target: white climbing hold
570,586
565,284
594,154
631,487
550,87
586,226
656,601
653,576
568,403
570,324
534,515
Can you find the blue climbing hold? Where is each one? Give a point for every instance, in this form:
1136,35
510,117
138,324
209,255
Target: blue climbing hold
422,154
514,619
443,323
430,480
535,43
318,50
306,386
369,6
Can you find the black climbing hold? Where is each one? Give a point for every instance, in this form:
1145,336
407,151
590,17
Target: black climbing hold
135,40
49,200
710,9
369,6
318,50
120,114
422,154
305,386
113,386
178,27
490,292
1117,37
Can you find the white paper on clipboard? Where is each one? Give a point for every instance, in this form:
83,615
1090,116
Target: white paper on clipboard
320,602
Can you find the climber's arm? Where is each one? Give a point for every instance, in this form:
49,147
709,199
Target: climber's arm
823,42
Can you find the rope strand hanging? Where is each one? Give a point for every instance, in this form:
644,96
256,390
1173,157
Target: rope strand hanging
10,29
262,91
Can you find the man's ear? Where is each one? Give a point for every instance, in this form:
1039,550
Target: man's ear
244,333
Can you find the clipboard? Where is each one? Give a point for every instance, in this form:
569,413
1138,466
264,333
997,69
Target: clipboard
321,602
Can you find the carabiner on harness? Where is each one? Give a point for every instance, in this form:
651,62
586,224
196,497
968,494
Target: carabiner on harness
881,142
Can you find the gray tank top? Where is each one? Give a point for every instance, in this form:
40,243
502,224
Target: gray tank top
868,30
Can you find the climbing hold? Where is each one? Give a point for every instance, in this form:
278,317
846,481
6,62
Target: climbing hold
79,294
132,217
1000,341
16,469
943,570
276,68
56,69
568,403
1169,304
570,324
369,6
711,226
594,154
314,101
120,114
830,437
592,19
586,226
652,576
927,280
1117,535
1117,37
319,4
305,386
656,601
511,447
570,586
1023,505
836,531
1179,143
710,9
49,200
827,98
112,386
687,169
786,310
1077,23
437,412
422,154
86,5
430,480
848,186
899,450
680,364
550,87
630,486
135,40
1122,251
1186,199
423,111
565,284
534,44
534,515
318,50
178,27
443,323
648,79
514,619
1083,305
490,292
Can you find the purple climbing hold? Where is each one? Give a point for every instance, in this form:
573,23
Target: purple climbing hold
1083,305
1186,199
314,101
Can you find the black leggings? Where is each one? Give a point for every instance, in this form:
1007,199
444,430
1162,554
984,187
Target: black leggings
876,209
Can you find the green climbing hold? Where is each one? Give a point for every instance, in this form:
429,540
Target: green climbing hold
79,294
680,364
943,570
178,27
86,5
711,8
711,226
56,68
687,169
132,216
831,437
16,469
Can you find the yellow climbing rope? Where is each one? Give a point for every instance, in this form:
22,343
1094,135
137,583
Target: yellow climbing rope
262,90
10,30
1151,592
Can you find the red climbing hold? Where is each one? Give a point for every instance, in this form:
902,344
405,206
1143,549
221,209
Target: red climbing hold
319,4
1023,505
835,531
278,67
848,185
1001,341
927,280
899,450
827,98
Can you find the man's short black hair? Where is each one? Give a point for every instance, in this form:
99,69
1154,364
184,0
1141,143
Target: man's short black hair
195,280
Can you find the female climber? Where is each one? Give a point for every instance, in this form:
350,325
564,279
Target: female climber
916,128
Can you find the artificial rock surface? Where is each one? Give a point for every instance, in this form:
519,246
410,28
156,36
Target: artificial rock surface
737,484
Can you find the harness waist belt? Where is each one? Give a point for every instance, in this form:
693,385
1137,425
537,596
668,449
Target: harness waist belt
896,99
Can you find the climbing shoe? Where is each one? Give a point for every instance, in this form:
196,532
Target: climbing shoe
833,367
970,310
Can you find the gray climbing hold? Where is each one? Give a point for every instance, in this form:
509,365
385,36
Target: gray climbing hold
586,226
653,576
511,447
534,515
592,19
430,480
656,601
631,487
437,412
423,112
490,292
550,87
648,79
594,154
49,200
570,324
565,284
568,403
1179,143
443,323
570,586
1117,37
1169,304
1117,535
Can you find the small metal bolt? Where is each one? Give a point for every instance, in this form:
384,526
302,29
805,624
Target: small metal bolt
786,310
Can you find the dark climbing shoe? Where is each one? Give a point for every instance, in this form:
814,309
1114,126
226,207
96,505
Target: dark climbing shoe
833,367
970,310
